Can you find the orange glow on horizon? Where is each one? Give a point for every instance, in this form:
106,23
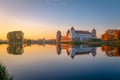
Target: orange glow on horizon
30,28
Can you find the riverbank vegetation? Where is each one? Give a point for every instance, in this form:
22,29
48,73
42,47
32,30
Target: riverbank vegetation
93,42
4,74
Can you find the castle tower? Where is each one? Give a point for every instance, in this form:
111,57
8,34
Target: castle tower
72,33
68,32
72,30
58,36
93,33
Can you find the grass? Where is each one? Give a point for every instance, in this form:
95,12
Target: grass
4,74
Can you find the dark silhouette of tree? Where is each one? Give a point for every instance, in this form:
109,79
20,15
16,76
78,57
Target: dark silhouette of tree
28,42
15,36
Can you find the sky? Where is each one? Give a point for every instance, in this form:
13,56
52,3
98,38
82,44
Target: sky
42,18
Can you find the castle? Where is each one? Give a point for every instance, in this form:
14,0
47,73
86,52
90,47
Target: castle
76,35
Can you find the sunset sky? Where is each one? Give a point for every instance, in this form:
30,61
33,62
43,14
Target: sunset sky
42,18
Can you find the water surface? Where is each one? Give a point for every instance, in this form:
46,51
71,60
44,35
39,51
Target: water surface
61,62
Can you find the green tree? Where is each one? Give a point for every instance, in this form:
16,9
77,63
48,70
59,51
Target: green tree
15,36
4,74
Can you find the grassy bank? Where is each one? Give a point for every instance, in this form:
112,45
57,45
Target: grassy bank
94,43
4,74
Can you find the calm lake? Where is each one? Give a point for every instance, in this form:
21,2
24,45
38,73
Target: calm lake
61,62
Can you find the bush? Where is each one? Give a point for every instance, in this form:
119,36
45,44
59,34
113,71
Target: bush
4,74
95,40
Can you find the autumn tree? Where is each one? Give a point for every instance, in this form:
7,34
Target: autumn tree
118,35
15,36
102,37
111,35
106,37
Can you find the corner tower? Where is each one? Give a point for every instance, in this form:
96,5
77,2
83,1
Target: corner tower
58,36
93,33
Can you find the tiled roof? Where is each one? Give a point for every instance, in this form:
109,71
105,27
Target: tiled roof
82,32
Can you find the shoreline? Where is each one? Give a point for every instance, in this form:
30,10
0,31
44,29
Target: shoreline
71,43
96,43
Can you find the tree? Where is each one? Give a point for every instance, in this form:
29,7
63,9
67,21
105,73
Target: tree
106,37
111,35
102,37
4,75
118,35
15,36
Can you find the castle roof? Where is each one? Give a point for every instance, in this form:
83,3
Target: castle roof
82,32
58,31
72,28
94,29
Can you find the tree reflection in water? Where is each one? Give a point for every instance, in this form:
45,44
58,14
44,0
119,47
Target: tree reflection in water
111,50
71,50
15,48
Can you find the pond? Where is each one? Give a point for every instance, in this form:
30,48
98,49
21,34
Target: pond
61,62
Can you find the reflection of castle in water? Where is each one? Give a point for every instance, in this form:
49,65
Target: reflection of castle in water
73,50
